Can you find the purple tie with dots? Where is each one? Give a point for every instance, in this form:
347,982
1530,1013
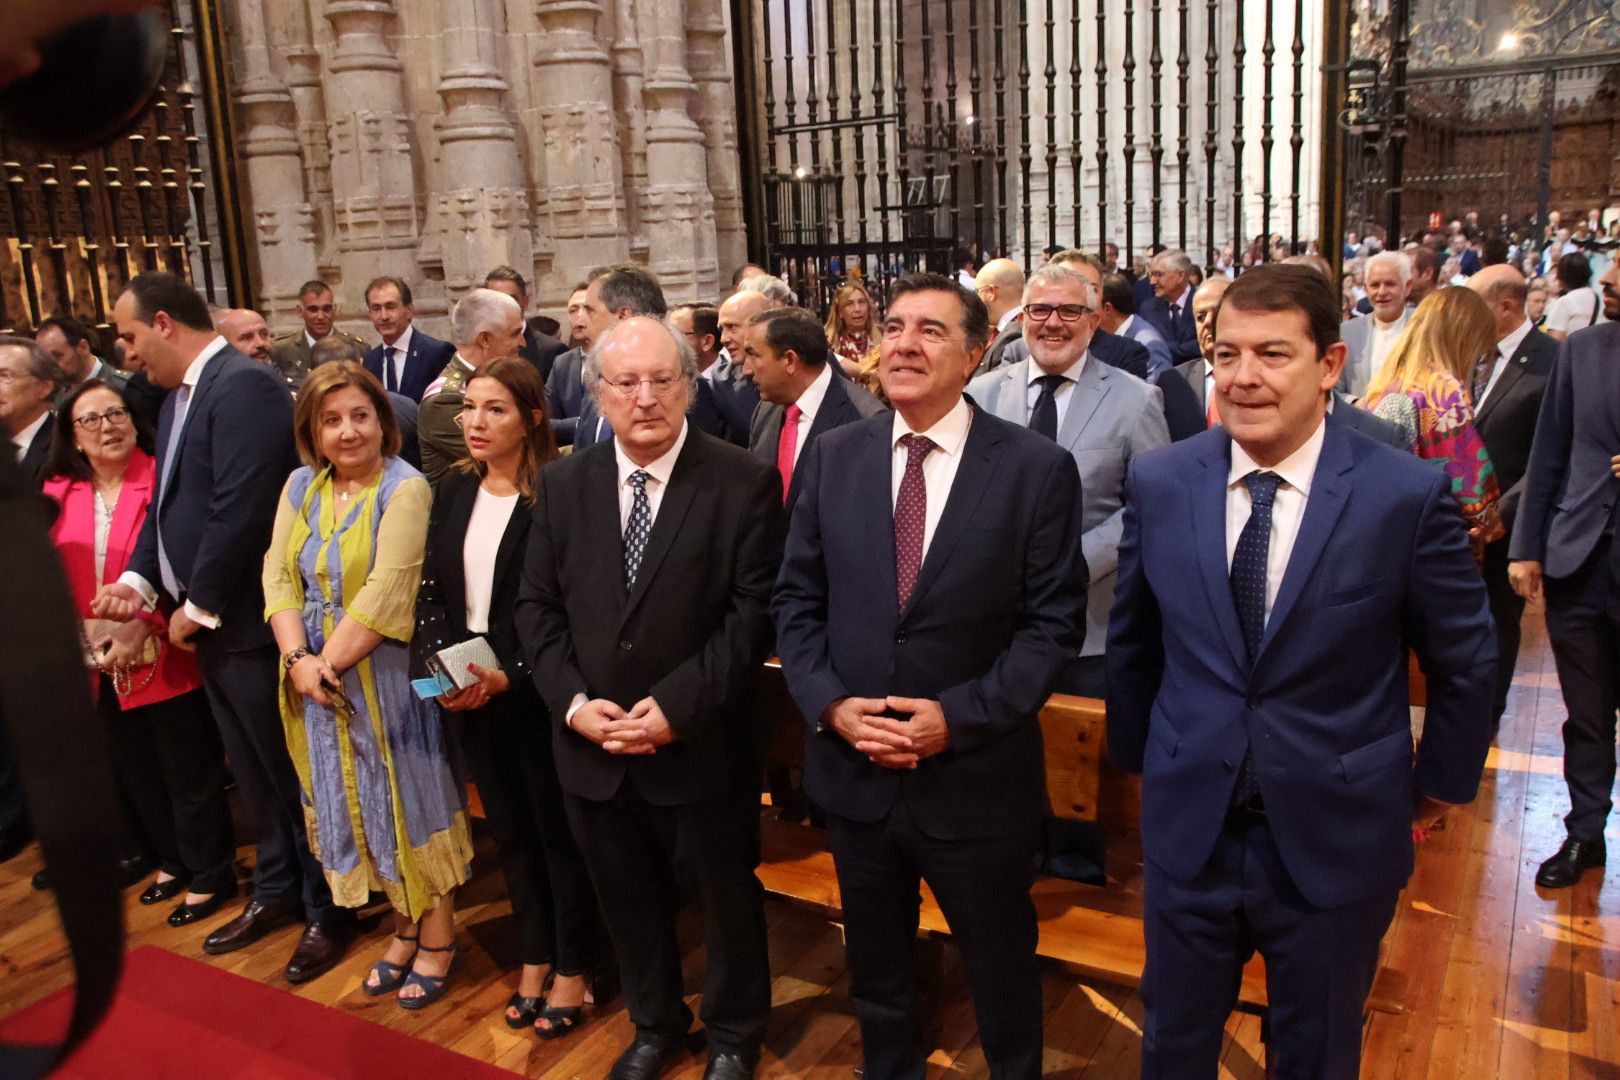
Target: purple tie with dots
910,517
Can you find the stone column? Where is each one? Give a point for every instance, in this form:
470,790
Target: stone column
309,105
583,189
484,218
374,181
709,61
679,212
283,221
629,67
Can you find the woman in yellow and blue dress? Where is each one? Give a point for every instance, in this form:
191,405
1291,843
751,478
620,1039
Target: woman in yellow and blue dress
385,810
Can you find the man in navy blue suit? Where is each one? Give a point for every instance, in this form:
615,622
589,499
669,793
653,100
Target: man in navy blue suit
1565,535
931,593
407,360
224,449
1257,678
1170,308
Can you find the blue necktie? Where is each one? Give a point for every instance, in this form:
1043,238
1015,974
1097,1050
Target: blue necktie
1249,595
635,533
391,380
1043,418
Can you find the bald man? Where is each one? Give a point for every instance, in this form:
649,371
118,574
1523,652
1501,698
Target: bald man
247,332
735,394
1507,389
1197,371
1000,284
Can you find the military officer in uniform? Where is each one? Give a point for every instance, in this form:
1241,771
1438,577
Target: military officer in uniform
290,352
485,325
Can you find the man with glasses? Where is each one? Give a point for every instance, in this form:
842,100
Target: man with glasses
28,382
644,614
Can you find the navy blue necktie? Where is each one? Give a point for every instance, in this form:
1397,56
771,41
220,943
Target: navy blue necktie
1043,417
638,527
1249,594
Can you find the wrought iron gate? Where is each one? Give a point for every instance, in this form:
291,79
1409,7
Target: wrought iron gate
75,227
890,134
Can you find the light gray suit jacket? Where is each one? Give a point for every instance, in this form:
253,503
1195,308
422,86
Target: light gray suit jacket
1111,417
1357,337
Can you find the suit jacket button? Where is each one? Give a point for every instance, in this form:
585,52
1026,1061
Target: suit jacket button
1227,765
900,638
626,645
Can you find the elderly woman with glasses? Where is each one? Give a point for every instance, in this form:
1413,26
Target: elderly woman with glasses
166,749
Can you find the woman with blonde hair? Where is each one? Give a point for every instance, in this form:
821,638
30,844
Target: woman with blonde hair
385,811
1424,388
849,326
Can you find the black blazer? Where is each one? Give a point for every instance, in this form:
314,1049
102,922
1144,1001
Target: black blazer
1181,333
219,504
540,349
693,632
441,604
845,403
735,395
1507,419
33,461
997,614
428,357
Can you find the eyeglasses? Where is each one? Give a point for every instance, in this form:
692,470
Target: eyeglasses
1065,312
92,421
662,386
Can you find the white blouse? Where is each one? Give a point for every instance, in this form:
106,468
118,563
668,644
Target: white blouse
490,516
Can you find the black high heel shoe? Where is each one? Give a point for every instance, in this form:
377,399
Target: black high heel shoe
159,891
186,914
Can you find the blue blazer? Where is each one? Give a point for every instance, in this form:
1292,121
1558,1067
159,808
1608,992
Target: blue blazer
1381,566
427,359
997,613
1182,335
1148,336
219,504
1569,491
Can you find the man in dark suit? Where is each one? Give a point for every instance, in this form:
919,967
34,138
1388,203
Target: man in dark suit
225,447
70,343
1507,389
539,347
1119,316
1257,678
932,591
1170,309
408,359
1199,372
734,389
644,614
1565,535
29,380
800,399
612,294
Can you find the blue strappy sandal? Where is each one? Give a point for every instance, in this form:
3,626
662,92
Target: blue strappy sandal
433,986
390,977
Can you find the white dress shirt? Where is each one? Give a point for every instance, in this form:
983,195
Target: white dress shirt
1001,323
190,380
1287,508
309,339
949,435
25,438
1504,352
485,529
1065,392
1381,338
1180,303
809,404
402,349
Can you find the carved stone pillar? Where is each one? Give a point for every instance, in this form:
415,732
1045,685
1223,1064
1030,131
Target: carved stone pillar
283,221
678,213
715,108
583,189
484,217
374,181
629,67
309,105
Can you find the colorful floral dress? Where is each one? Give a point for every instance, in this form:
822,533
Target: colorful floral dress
1439,422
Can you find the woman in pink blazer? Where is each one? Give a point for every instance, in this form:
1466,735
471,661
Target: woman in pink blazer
165,746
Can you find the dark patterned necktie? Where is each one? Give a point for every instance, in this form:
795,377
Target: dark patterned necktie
1249,594
635,533
1043,417
910,517
1481,380
391,379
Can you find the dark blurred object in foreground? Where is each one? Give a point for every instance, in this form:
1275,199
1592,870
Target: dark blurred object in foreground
94,80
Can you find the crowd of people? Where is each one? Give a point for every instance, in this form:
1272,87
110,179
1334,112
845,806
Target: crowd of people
358,574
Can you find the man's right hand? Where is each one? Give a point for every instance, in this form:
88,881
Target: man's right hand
1525,577
861,723
593,718
117,602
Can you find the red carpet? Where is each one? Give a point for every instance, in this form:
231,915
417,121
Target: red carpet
176,1017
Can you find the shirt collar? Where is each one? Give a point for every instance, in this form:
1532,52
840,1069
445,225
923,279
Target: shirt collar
1125,327
25,438
1001,323
193,373
1510,344
1072,372
309,339
809,402
1184,299
404,342
948,433
1296,469
661,468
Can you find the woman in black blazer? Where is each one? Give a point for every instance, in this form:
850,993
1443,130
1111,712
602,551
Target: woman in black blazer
471,572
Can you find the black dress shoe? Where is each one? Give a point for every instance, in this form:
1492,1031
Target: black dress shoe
645,1058
729,1067
133,870
41,880
186,914
1572,860
159,891
322,946
255,921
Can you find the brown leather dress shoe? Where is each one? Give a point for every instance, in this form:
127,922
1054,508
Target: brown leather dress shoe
322,946
255,921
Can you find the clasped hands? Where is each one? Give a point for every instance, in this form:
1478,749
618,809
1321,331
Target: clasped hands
886,741
490,683
121,603
642,730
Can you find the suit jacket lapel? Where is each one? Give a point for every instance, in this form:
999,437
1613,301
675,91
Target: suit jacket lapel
1208,493
770,433
602,528
513,539
1329,492
1511,373
873,486
205,382
1084,400
133,500
973,478
672,508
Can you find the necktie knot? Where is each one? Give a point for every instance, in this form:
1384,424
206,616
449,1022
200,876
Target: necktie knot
918,447
1051,384
638,480
1262,488
794,412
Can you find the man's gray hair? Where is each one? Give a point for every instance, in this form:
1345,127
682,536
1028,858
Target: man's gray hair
333,348
1062,274
591,368
1174,261
40,364
772,288
1397,259
625,286
478,311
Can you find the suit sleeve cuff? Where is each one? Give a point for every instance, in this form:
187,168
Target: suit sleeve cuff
206,618
140,585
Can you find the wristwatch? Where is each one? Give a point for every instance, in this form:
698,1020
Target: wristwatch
296,655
